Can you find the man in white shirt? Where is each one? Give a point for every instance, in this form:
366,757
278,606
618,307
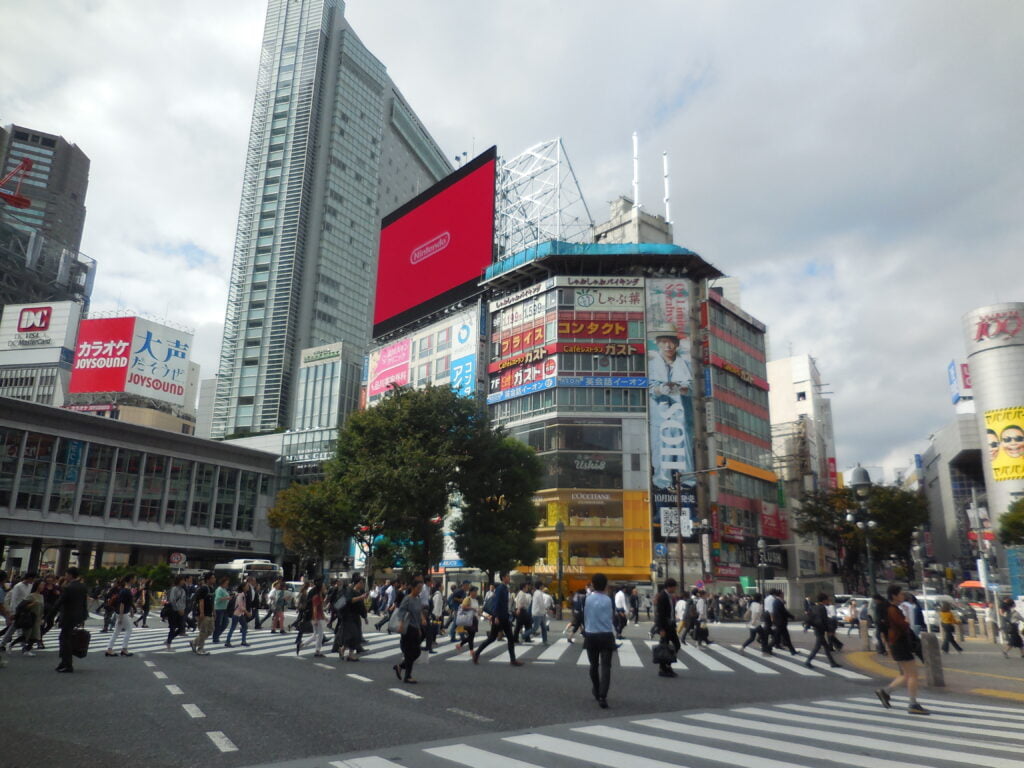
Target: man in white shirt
523,603
539,611
18,592
621,612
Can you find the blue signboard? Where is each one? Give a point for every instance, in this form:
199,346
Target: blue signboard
619,382
525,389
1015,565
463,374
707,382
660,550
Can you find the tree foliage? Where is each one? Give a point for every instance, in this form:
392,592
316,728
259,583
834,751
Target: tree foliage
1011,525
308,518
497,526
897,513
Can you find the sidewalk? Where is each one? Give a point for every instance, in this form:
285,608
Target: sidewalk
980,670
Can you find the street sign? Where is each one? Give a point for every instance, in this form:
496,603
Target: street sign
660,550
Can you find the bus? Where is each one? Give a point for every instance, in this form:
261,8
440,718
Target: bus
264,571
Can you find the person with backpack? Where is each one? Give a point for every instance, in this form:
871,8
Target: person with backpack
410,622
204,615
174,610
28,617
894,627
578,602
780,623
817,619
142,598
497,608
455,599
689,617
122,605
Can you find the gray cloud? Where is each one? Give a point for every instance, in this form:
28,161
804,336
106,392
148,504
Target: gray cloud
857,165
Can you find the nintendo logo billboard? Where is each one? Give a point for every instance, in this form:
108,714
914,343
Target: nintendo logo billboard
435,248
34,319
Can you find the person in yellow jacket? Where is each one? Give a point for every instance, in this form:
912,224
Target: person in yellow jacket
949,622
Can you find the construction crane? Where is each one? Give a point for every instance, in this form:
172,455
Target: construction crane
15,198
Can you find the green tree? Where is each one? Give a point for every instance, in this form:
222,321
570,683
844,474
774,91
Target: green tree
397,465
309,521
1011,525
823,514
499,519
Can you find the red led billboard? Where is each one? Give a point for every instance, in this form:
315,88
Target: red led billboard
102,354
435,248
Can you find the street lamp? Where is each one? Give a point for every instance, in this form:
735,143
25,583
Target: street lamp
860,482
560,529
762,554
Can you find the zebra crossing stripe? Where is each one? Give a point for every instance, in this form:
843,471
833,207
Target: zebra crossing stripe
857,740
1014,712
628,657
841,671
463,754
920,724
937,716
738,658
705,659
554,651
685,746
585,752
800,669
365,762
762,742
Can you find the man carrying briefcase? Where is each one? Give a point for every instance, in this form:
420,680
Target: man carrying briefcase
73,610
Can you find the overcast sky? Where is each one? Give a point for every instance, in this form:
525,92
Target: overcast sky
858,165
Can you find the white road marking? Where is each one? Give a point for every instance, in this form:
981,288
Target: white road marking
628,657
800,669
586,753
149,663
704,658
160,675
193,710
323,666
366,762
360,678
403,692
174,690
553,652
463,754
739,658
471,715
687,747
222,742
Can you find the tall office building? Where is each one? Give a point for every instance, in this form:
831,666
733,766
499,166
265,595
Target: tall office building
42,214
333,146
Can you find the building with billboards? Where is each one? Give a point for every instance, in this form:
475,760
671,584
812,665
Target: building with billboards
332,145
994,337
37,343
75,489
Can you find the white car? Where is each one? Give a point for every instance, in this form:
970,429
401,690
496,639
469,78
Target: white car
931,606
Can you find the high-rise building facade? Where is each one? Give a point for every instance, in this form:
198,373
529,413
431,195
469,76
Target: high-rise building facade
42,215
333,145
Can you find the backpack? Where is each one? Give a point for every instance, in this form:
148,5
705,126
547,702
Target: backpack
691,609
341,602
113,598
490,605
578,603
882,619
23,618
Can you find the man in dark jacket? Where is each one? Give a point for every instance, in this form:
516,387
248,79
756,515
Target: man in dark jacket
817,619
73,609
500,623
665,623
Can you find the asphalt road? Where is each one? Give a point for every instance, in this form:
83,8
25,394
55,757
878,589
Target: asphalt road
238,707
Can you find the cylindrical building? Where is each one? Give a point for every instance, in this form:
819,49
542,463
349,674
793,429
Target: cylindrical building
994,337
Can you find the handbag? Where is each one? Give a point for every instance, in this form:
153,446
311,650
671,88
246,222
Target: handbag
663,654
393,622
306,626
80,640
464,619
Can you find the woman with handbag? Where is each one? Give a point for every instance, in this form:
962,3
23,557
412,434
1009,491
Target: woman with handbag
410,617
467,620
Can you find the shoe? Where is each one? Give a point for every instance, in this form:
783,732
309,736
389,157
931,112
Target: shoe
40,646
667,673
318,656
809,665
570,641
917,709
202,653
227,645
244,644
884,697
516,663
836,666
398,672
129,653
109,653
602,703
597,696
476,657
409,681
167,646
65,669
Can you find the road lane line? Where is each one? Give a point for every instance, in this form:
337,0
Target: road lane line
323,666
193,710
174,690
160,675
360,678
471,715
403,692
222,742
366,762
149,663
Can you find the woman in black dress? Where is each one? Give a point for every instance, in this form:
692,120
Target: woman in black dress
353,614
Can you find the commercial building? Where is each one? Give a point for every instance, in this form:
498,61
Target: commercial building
111,493
333,145
803,448
37,343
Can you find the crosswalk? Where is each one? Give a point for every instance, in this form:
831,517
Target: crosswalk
631,654
853,731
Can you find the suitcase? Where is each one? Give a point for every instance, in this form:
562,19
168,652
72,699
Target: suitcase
80,639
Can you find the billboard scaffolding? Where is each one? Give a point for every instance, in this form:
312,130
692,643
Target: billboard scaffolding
539,199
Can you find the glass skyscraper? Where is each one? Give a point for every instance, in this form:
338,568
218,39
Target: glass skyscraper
332,148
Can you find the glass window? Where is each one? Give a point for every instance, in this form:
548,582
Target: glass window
247,501
35,470
65,475
99,462
10,443
126,483
177,495
224,512
202,497
152,488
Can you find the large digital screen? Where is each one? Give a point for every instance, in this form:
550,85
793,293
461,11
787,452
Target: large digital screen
434,249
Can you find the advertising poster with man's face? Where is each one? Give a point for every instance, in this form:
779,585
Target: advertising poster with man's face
1004,441
670,400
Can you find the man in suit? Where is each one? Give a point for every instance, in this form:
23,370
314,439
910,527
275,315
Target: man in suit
72,605
500,623
664,622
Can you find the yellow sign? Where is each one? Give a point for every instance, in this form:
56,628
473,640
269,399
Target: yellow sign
1004,441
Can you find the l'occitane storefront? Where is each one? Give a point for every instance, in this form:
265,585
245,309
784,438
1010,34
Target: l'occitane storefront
606,531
